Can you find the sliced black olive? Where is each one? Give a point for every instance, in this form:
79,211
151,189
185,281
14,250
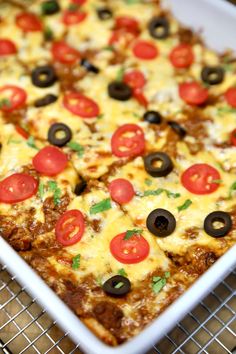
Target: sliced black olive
161,222
89,66
220,217
46,100
212,75
165,165
159,27
43,76
178,129
119,91
117,286
104,13
53,137
80,187
152,117
50,7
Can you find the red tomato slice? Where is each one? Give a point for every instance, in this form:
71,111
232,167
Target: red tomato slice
233,137
199,179
7,47
28,22
70,227
230,96
128,141
121,190
17,187
121,37
135,79
140,97
63,53
22,132
130,24
182,56
145,50
81,105
73,17
12,97
134,250
50,161
193,93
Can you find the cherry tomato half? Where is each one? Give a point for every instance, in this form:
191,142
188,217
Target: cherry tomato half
73,17
182,56
17,187
12,97
50,161
145,50
130,24
230,96
121,190
28,22
140,97
121,37
128,141
135,79
193,93
22,132
7,47
233,137
63,53
199,179
70,227
134,250
80,105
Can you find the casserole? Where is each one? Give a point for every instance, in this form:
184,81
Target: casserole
97,348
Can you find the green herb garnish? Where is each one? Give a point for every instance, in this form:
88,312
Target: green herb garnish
48,7
184,206
130,233
41,190
159,191
120,74
76,262
5,102
217,181
100,116
52,185
222,110
132,2
76,147
148,182
119,285
13,141
232,189
101,206
109,47
31,143
48,34
158,283
122,272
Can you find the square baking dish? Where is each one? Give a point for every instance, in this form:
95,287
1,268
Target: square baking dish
217,21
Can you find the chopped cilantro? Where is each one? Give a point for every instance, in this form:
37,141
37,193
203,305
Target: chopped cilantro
148,182
232,189
101,206
119,285
130,233
52,185
159,191
122,272
184,206
120,74
158,283
76,262
5,102
76,147
31,143
41,190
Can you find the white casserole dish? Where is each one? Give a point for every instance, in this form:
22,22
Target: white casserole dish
218,21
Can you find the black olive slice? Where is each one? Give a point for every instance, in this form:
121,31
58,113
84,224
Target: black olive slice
165,165
159,27
152,117
220,217
178,129
80,187
117,286
53,134
43,76
212,75
46,100
50,7
89,66
104,13
161,222
119,91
